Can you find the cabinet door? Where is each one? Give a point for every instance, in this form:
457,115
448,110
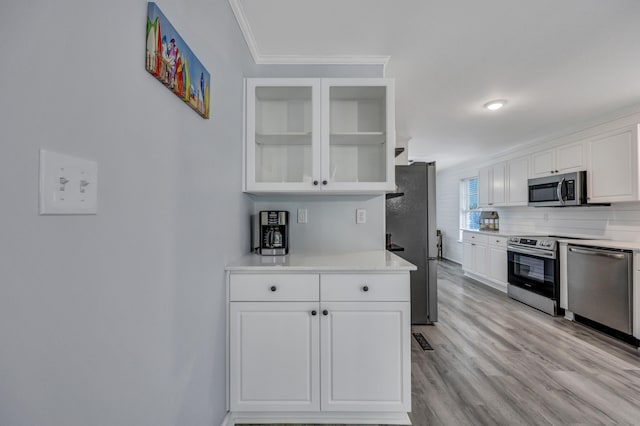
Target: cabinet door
543,163
484,186
612,173
274,356
358,135
498,266
570,158
467,257
480,259
375,376
282,135
518,175
498,184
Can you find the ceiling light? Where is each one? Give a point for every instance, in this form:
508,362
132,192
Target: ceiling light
495,105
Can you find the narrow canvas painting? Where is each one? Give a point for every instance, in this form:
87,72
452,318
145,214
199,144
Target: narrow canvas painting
170,60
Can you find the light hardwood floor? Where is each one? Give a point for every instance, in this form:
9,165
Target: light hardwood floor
499,362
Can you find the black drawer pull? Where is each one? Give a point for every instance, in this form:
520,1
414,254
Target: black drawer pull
273,288
325,312
314,313
365,288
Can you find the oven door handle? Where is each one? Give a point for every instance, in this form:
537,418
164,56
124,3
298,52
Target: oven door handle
546,254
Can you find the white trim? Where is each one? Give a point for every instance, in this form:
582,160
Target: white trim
325,417
261,59
229,420
245,28
323,59
487,281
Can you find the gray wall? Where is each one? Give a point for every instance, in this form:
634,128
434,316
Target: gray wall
331,222
118,318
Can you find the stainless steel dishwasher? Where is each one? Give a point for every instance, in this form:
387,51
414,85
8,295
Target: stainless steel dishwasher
600,286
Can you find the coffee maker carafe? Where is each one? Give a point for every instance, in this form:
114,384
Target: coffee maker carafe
273,231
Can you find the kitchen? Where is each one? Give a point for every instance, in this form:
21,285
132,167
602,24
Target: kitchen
120,317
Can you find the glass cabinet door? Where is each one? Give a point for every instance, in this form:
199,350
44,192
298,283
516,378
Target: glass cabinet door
283,134
358,134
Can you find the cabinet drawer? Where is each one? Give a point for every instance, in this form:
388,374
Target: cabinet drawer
274,287
472,237
364,287
498,241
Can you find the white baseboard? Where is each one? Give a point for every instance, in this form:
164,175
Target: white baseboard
319,418
490,283
228,420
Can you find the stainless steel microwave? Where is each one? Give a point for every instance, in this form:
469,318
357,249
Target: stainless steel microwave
569,189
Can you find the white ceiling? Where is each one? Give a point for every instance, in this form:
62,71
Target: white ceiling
560,63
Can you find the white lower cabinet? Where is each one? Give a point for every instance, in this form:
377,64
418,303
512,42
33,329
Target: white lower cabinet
484,258
364,362
343,348
274,356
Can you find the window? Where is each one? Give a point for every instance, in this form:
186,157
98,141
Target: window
469,212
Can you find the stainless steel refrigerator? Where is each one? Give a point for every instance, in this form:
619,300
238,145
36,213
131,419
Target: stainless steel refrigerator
411,221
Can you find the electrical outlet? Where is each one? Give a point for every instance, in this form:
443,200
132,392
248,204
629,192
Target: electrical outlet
302,215
361,216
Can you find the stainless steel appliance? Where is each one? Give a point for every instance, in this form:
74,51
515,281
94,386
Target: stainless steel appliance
411,221
569,189
534,272
273,232
600,286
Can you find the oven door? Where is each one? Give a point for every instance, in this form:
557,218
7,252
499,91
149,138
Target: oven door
534,270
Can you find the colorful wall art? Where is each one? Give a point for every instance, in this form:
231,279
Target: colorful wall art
170,60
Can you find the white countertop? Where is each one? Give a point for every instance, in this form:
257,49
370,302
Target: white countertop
624,245
503,233
377,260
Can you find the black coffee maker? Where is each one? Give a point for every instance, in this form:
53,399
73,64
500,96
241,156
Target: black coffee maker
273,232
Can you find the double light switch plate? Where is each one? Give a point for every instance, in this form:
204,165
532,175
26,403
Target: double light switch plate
68,185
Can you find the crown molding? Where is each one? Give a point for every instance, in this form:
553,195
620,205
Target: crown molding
260,59
245,28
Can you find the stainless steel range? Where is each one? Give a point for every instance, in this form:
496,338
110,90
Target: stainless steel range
534,272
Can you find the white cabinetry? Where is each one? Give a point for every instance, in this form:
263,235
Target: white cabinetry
563,159
492,185
485,258
498,265
612,171
319,343
270,342
517,178
313,135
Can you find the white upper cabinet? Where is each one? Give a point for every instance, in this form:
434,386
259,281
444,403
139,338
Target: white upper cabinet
492,185
612,172
563,159
517,178
312,135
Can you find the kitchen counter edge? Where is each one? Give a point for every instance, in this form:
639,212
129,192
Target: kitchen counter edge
376,260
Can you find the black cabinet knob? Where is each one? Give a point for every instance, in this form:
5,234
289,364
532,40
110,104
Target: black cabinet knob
273,288
365,288
325,312
557,171
315,182
314,313
324,182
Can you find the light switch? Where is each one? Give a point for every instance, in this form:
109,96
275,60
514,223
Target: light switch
68,185
361,216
